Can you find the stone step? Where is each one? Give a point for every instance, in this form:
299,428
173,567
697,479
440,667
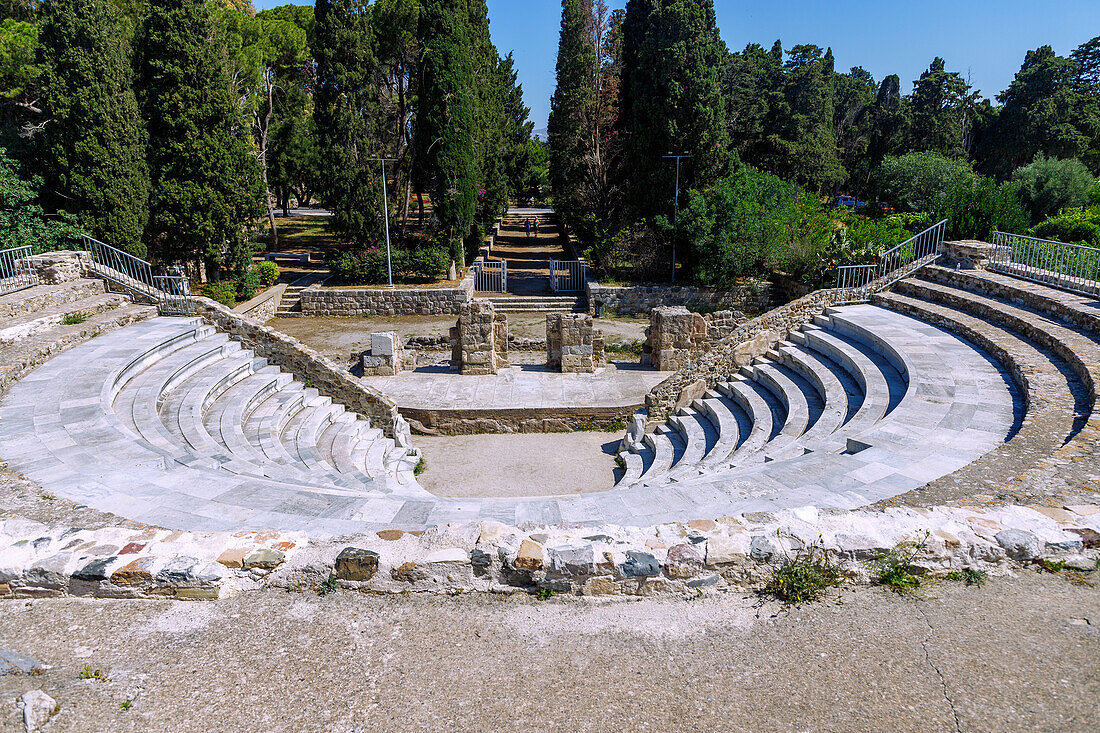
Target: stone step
871,381
31,302
26,325
762,419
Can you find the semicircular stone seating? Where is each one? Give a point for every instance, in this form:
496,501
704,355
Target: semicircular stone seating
168,419
849,409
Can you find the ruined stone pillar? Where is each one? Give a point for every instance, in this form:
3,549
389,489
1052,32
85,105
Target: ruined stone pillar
572,344
479,342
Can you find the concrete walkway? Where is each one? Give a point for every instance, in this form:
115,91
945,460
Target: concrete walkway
529,386
1013,655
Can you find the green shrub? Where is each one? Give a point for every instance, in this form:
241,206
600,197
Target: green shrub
913,182
74,319
1049,185
248,283
1073,226
359,268
739,227
1094,194
428,263
974,209
223,292
269,272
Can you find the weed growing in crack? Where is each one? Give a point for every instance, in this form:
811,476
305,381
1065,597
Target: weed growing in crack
970,576
92,674
1058,567
127,705
806,577
74,319
328,586
895,569
545,594
421,467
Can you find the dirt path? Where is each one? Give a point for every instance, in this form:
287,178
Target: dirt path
528,257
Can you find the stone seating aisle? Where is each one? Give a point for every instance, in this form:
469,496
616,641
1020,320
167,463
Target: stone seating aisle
152,423
1050,341
846,411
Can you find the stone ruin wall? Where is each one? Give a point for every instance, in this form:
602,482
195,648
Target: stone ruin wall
676,336
479,342
573,345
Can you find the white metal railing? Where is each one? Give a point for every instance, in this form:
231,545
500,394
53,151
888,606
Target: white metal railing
911,255
122,268
175,295
568,275
860,282
855,282
491,277
1073,267
15,272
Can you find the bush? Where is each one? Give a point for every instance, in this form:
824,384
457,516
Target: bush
427,263
1074,226
914,182
269,272
739,227
248,283
223,292
974,209
1094,194
1049,185
359,268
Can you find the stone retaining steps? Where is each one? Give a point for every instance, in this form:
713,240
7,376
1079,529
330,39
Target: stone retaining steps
860,393
170,417
1048,340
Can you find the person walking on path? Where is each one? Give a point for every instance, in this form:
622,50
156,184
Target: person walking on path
527,228
536,227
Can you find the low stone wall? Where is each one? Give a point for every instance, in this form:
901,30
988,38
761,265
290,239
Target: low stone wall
479,340
358,301
54,268
694,557
676,335
445,343
641,299
517,420
307,365
750,340
262,308
573,346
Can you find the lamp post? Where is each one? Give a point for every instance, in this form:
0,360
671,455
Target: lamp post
676,211
386,213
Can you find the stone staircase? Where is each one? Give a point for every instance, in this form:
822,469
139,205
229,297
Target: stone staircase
290,305
851,406
170,416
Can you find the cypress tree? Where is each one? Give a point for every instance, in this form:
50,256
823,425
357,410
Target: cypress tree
489,122
444,137
206,179
92,149
570,109
346,113
671,100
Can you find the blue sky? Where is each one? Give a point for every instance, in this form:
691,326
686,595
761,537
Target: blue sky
984,40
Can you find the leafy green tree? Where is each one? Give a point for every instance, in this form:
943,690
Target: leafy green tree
22,221
294,158
941,112
753,88
346,114
974,209
740,226
1048,185
914,182
803,146
207,185
671,101
444,136
853,121
92,148
19,81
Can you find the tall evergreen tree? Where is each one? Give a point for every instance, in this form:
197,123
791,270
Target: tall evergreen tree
571,108
671,100
941,112
346,112
206,181
92,148
517,129
444,134
489,123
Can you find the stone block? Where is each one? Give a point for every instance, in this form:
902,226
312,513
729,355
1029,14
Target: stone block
1019,544
530,556
356,564
264,559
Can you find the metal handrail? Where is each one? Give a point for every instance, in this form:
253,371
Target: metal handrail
912,254
122,268
15,273
855,282
175,295
1073,267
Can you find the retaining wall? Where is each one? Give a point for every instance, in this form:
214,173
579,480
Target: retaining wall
360,301
641,299
262,308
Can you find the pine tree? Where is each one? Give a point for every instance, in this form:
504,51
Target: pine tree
206,180
92,148
671,100
346,112
571,109
444,138
941,112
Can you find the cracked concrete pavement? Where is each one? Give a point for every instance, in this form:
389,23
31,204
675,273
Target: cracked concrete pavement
1017,654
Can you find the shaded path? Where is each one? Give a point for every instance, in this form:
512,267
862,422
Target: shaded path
528,258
